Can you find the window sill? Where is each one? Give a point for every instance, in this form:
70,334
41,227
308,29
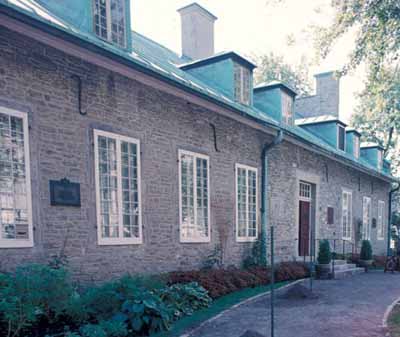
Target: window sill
119,242
195,240
246,239
16,243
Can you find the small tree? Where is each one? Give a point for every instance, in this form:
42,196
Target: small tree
324,254
366,251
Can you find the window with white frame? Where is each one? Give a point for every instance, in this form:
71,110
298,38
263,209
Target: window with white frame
117,168
380,159
305,191
246,203
287,109
242,79
347,216
109,21
15,189
194,197
341,134
356,147
380,224
366,230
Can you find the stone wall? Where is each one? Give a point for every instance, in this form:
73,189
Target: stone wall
37,79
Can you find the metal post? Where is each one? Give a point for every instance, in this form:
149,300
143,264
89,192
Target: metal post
312,257
334,257
272,283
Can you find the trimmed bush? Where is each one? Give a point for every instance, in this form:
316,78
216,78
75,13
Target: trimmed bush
366,251
324,253
224,281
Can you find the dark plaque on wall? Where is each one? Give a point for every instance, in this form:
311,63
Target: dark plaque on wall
65,193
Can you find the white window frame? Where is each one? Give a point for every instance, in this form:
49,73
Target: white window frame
242,84
18,243
349,209
195,156
366,229
356,146
344,137
246,238
287,109
109,22
380,233
120,240
380,159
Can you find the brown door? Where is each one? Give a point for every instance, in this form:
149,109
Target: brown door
304,228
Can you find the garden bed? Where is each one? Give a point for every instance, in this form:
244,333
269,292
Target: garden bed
39,300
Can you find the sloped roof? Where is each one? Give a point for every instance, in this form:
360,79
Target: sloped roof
318,120
159,61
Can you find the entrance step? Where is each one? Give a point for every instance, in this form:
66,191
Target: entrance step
344,266
348,272
340,262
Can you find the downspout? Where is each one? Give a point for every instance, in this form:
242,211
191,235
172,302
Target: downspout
390,217
264,185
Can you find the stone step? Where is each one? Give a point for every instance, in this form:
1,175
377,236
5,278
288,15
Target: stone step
339,262
339,274
345,266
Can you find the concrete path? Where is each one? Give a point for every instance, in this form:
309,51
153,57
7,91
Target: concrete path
352,307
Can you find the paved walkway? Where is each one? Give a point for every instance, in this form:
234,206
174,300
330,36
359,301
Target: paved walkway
352,307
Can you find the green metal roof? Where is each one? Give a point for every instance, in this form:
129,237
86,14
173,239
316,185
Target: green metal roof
159,61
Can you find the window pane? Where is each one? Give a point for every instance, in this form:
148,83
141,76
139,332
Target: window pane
14,221
107,152
194,197
246,202
187,195
130,192
100,18
117,22
341,135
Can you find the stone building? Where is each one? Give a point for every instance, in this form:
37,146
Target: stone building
127,157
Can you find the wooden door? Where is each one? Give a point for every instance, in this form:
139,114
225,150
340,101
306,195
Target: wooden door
304,228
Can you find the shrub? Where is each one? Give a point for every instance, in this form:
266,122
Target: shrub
324,253
35,293
184,299
366,251
224,281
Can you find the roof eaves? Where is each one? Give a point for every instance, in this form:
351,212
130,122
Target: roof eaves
216,58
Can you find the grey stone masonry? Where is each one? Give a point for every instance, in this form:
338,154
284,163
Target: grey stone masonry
36,79
326,99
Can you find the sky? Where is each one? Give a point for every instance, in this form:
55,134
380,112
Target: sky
257,27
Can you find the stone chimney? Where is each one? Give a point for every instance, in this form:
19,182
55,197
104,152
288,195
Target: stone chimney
326,99
197,31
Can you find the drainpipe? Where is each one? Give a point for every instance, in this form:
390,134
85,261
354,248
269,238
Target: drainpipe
390,216
264,185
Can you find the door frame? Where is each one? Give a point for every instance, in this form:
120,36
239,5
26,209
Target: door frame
315,180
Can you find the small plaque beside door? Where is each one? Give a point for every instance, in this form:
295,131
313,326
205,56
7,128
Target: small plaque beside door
65,193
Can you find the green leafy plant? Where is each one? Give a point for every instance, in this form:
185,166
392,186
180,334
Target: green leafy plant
185,298
254,257
34,293
324,254
366,251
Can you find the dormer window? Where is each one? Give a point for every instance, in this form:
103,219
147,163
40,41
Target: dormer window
109,21
287,109
380,160
242,84
356,147
341,142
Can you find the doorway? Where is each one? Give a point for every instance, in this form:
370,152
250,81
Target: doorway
306,217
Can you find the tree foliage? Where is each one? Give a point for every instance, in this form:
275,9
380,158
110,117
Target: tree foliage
377,28
378,114
272,67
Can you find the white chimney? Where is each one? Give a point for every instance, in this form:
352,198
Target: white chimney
197,31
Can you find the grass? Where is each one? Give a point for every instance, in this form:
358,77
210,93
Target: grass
217,306
394,321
